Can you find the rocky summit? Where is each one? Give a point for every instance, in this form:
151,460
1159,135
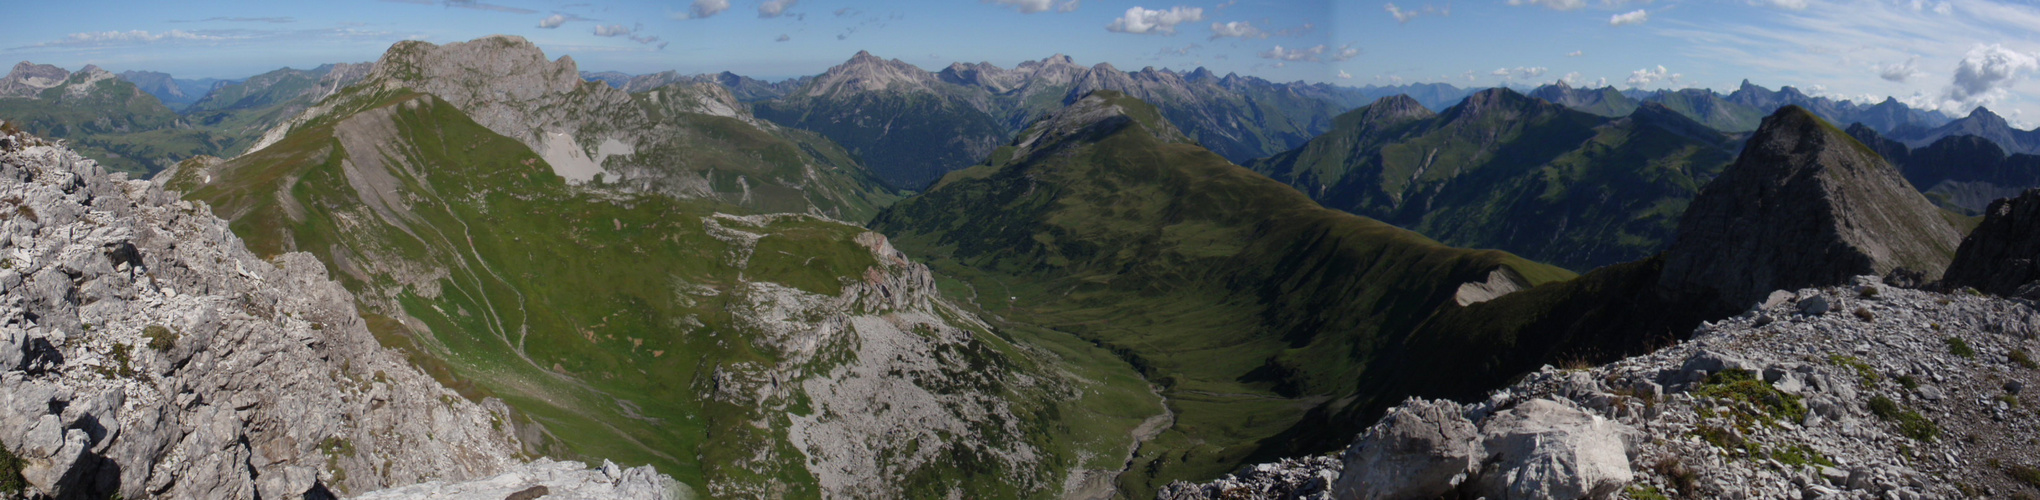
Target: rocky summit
1804,205
1999,256
146,353
1858,391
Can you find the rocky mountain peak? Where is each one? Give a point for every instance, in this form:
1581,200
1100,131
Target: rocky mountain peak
1399,107
866,73
1984,117
504,64
1495,100
1096,115
1804,205
27,79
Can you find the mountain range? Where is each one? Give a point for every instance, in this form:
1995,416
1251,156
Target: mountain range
1045,281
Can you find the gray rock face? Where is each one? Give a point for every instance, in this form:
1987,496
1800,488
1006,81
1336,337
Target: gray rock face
1999,256
1804,205
547,479
28,79
1544,449
1421,451
145,353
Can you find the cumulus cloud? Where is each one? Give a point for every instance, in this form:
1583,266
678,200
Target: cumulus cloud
704,8
1552,4
774,8
1987,71
1314,54
1624,19
1647,76
1520,72
552,21
1236,29
631,32
1899,72
1405,15
1343,75
1576,53
1143,21
1033,6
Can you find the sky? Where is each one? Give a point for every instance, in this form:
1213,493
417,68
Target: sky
1952,55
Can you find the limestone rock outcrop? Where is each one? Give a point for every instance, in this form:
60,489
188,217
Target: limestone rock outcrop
1421,451
1804,205
146,353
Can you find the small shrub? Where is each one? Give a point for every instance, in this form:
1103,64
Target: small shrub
1908,382
1960,348
337,446
160,338
2008,400
1799,455
1683,478
1910,423
2020,358
122,366
1863,313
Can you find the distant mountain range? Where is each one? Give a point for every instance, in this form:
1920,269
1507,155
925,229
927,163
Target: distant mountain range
1508,171
174,92
1741,110
1963,173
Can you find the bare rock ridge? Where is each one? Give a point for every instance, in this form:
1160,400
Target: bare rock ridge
146,353
1804,205
27,79
2002,256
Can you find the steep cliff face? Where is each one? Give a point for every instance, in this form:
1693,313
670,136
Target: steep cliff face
2002,256
146,353
1804,205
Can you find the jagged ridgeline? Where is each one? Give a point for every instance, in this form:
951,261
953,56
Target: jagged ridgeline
645,319
1246,304
1507,171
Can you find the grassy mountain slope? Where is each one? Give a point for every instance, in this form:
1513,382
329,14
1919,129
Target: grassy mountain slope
109,120
1510,172
1247,304
907,138
748,356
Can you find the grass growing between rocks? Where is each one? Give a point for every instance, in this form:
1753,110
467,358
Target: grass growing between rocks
1865,373
2021,358
1760,401
1910,422
160,337
1961,348
11,482
1646,492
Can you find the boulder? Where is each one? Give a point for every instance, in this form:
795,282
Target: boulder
1543,449
1422,450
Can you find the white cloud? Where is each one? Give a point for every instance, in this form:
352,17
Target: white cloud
1634,17
1576,53
1343,75
612,30
1404,16
1644,77
553,21
1782,4
1313,54
1899,72
632,32
1552,4
1236,29
1986,72
1033,6
705,8
1143,21
775,8
1520,72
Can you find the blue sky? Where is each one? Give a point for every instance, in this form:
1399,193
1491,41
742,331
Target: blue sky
1946,54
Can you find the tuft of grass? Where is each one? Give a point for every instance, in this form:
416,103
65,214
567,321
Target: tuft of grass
1908,382
2024,474
1682,477
2020,358
2008,400
1646,492
160,338
1867,374
1799,454
11,482
1863,313
122,365
1958,347
1741,385
1910,423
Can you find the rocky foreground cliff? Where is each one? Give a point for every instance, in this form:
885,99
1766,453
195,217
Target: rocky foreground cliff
145,353
1863,391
